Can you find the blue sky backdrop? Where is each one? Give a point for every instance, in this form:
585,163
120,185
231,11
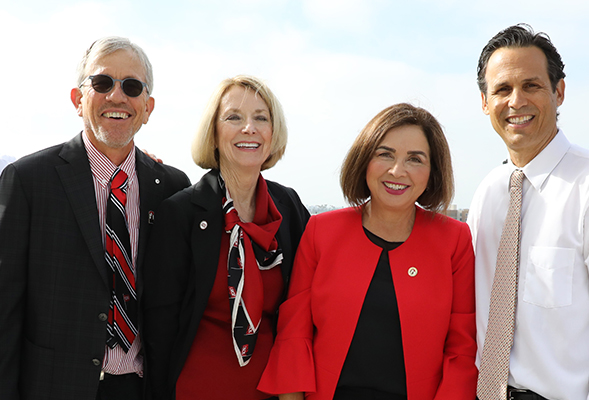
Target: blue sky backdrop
333,64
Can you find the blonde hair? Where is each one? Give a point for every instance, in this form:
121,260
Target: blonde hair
204,152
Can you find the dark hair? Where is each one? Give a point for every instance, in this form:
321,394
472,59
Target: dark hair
440,187
521,35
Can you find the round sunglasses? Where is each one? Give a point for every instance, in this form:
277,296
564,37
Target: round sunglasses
103,84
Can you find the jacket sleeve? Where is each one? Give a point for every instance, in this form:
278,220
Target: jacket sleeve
291,366
459,376
14,239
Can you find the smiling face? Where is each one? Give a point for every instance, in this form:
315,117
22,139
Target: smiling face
399,170
520,101
112,119
243,131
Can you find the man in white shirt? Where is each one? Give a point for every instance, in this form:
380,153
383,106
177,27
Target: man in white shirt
521,79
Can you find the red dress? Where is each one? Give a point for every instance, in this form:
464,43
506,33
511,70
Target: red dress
211,370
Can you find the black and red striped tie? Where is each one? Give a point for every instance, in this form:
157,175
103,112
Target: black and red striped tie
122,321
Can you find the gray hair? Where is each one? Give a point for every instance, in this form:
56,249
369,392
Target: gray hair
108,45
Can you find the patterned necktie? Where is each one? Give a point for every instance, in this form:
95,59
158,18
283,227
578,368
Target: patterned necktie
494,370
122,319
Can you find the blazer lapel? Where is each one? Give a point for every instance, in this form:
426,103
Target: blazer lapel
209,223
205,242
150,196
283,238
78,184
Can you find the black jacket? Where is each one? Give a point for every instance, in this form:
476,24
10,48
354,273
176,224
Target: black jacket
54,280
181,267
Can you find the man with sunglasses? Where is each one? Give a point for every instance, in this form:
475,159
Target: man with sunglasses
61,332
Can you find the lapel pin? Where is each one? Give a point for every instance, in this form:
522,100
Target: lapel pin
150,217
412,272
203,225
157,181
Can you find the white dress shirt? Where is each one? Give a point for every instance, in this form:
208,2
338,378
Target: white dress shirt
550,353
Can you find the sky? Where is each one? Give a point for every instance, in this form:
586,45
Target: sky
333,64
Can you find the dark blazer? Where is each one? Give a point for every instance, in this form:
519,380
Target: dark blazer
181,268
54,284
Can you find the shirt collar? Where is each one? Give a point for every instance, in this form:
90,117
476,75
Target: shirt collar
543,164
102,168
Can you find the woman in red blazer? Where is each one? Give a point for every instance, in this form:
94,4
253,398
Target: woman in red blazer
381,302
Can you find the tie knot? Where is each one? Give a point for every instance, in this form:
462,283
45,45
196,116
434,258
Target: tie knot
517,178
119,179
231,216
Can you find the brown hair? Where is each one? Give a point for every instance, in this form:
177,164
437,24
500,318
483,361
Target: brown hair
440,187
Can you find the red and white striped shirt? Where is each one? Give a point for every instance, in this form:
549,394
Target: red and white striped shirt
116,361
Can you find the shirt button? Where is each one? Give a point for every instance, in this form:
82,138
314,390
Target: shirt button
412,272
96,362
103,317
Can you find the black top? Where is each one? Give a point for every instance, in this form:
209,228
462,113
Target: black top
375,358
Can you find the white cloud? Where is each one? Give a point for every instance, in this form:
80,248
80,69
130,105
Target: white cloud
39,67
328,95
345,15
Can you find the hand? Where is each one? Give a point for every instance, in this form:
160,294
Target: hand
153,156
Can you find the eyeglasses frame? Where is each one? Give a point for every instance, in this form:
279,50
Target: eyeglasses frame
114,83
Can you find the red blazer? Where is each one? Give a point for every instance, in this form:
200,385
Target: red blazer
433,273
